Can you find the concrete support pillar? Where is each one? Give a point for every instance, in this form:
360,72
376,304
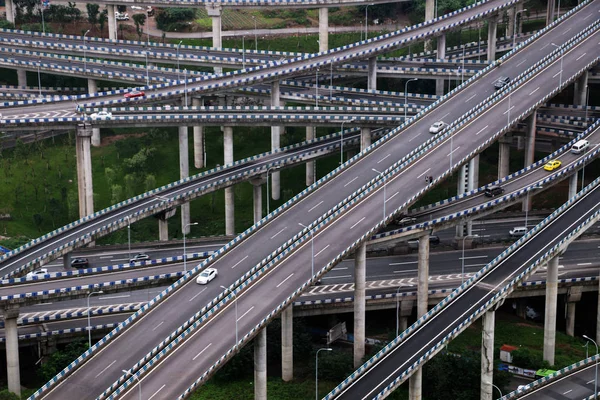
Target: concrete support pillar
199,156
550,316
260,365
93,89
257,196
519,19
365,138
21,77
112,22
529,152
550,11
84,170
573,185
414,386
214,12
11,313
310,165
403,324
504,156
323,29
10,11
487,355
163,229
275,142
67,261
580,89
473,180
510,26
441,47
287,344
184,172
492,28
229,196
372,74
573,296
360,268
429,13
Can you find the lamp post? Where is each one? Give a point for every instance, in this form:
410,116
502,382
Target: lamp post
312,249
397,311
406,95
236,314
367,21
330,81
147,77
562,55
84,57
184,253
89,325
243,52
342,142
462,269
317,88
255,37
500,391
384,196
43,23
268,210
137,379
185,85
39,81
178,75
317,370
129,236
596,378
515,26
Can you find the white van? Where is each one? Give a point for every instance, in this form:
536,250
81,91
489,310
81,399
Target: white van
580,146
517,231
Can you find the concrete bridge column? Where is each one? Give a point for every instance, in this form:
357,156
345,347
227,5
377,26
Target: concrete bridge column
372,74
112,22
487,355
414,383
406,307
573,185
260,365
510,26
573,296
11,313
550,11
441,55
492,28
275,142
199,156
504,156
67,261
519,19
184,172
257,196
229,196
323,29
10,11
163,224
214,12
360,268
84,170
429,13
93,89
462,188
580,89
287,344
550,316
365,138
310,165
21,77
529,152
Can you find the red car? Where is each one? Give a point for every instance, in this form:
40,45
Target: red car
134,93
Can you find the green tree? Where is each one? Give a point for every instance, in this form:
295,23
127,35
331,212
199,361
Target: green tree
140,21
110,175
38,220
130,185
116,193
150,182
92,11
60,359
73,205
102,18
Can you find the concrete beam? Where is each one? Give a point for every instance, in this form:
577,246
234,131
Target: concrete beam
491,49
10,11
275,142
487,355
260,365
84,170
550,11
429,14
229,195
287,344
11,313
504,156
199,151
323,29
112,22
310,165
581,85
360,268
184,172
214,12
550,312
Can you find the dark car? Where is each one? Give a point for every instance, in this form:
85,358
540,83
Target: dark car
494,190
501,82
80,262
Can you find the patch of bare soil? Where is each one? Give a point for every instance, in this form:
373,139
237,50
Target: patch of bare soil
108,140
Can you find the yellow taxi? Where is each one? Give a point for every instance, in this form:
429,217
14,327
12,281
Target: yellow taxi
552,165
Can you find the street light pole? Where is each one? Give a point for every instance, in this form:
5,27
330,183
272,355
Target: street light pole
184,252
500,391
462,70
185,85
137,379
312,249
317,88
236,314
84,57
406,95
39,81
178,74
255,37
384,196
367,21
462,269
268,210
397,311
342,142
317,371
89,324
129,235
243,52
515,26
596,378
147,77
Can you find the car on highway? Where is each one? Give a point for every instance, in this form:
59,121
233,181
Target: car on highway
121,16
404,220
80,262
494,190
101,115
437,127
136,8
139,257
206,276
517,231
501,82
134,93
552,165
38,273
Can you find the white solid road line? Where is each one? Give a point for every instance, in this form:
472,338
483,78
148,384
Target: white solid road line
404,263
114,297
155,393
469,258
587,263
283,281
244,314
106,257
324,248
161,322
317,205
107,367
197,294
202,351
238,263
351,181
578,58
284,228
360,220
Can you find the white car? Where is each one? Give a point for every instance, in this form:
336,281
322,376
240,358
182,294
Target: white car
437,127
136,8
102,115
39,273
206,276
121,16
139,257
